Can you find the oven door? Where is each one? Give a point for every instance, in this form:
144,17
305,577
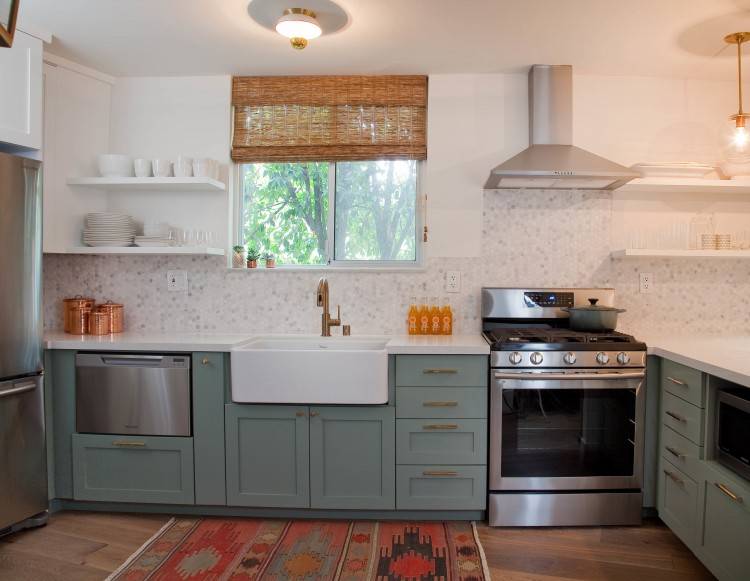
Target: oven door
567,430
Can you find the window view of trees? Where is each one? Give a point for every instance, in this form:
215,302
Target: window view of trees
286,210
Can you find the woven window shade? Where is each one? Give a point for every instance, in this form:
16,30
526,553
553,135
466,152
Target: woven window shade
329,118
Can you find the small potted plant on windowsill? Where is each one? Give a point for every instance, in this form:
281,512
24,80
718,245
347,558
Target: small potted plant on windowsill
253,254
238,256
270,260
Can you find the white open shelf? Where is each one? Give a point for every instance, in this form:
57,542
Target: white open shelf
686,186
151,184
192,250
658,253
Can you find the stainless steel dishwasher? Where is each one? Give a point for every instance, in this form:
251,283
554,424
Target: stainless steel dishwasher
133,394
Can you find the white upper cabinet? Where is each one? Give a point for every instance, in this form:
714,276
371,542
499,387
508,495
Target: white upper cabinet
21,92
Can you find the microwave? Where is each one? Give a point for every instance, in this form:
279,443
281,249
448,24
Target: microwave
732,436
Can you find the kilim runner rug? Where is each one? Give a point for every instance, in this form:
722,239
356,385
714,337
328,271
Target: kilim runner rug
218,549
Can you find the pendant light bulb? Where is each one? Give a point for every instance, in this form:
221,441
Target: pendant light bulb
740,137
299,25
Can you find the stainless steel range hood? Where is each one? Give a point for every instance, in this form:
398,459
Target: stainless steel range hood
552,161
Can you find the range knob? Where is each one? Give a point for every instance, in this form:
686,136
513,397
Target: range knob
602,358
536,358
569,358
515,358
623,358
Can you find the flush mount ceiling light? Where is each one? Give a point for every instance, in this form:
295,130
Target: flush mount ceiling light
299,25
740,137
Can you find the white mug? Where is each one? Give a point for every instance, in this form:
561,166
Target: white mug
142,167
183,167
202,167
162,168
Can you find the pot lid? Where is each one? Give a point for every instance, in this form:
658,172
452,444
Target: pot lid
593,307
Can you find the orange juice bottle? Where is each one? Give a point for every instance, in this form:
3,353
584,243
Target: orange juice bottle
434,317
446,315
413,317
424,317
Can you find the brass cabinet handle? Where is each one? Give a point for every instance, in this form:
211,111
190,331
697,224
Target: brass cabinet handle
128,444
438,371
674,452
678,417
677,381
300,414
205,361
440,427
728,492
440,404
439,473
674,477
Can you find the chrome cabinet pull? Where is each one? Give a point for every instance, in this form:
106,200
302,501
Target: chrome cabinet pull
674,477
678,417
438,371
677,381
728,492
674,452
440,404
440,427
439,473
128,444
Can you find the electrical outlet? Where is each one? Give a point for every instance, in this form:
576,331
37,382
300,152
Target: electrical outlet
453,281
177,281
646,282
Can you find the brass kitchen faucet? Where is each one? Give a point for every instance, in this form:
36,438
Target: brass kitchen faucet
323,301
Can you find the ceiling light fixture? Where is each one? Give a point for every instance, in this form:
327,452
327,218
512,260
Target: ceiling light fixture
741,136
299,25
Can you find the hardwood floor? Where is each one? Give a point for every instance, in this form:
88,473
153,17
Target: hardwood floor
83,546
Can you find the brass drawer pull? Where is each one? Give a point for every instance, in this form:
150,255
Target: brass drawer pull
677,381
440,427
300,414
674,477
440,404
728,492
678,417
314,414
439,473
128,444
438,371
205,361
674,452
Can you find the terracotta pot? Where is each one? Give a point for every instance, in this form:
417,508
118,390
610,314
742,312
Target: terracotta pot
252,264
270,263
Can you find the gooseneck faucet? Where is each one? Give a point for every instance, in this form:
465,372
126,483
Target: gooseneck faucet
323,301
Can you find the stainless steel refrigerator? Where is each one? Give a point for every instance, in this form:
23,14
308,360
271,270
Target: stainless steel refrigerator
23,469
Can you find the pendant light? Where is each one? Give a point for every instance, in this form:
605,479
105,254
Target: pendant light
741,137
299,25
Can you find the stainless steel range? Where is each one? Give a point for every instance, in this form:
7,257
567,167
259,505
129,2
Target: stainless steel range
567,413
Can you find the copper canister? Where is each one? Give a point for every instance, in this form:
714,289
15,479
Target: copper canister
116,315
99,323
77,302
78,320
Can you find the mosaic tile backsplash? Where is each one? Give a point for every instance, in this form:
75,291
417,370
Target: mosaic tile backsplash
529,239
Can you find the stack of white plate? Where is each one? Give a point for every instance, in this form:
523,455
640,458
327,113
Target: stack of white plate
108,229
153,241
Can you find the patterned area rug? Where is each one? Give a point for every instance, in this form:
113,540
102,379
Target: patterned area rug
192,549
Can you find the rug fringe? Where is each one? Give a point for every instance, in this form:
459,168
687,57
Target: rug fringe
485,565
140,550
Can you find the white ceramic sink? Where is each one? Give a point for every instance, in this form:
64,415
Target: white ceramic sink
313,370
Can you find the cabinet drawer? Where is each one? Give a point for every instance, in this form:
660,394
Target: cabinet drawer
683,417
440,441
678,502
441,370
133,469
441,487
682,381
681,452
441,402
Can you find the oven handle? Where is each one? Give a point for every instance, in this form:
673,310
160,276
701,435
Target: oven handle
569,376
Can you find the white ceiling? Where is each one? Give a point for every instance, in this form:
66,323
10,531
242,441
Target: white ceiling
676,38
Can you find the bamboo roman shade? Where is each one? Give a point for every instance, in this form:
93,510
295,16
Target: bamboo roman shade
329,118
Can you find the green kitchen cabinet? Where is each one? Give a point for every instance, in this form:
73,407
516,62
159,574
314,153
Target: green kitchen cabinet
678,502
267,456
352,458
441,371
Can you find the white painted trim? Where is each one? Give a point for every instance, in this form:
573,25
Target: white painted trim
58,61
42,35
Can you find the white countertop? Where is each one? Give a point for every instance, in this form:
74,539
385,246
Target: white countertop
133,341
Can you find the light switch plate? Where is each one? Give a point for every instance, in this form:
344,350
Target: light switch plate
453,281
177,281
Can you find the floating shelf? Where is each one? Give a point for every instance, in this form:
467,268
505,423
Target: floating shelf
151,184
654,253
185,250
686,186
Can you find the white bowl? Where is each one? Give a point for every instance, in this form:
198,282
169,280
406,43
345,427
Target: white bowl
113,165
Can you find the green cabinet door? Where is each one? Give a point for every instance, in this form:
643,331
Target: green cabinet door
352,458
267,451
208,427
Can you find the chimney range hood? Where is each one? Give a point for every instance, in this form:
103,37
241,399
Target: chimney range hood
552,161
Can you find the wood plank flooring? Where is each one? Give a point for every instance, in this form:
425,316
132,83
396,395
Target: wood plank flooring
83,546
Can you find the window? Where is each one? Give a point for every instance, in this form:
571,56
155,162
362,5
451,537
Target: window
347,213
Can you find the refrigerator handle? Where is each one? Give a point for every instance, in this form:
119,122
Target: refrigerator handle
20,387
